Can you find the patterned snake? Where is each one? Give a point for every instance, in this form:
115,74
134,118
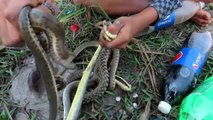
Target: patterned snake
33,20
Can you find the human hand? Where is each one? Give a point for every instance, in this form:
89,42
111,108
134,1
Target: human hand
9,12
124,29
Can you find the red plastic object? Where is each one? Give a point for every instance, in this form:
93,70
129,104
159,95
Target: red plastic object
74,28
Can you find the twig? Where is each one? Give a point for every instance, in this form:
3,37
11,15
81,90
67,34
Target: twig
8,113
149,52
145,115
148,66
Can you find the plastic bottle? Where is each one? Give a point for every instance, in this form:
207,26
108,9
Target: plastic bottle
180,15
198,105
185,67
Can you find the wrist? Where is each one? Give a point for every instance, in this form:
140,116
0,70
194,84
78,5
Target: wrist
143,19
147,16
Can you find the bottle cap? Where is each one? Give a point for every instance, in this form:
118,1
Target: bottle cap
164,107
201,4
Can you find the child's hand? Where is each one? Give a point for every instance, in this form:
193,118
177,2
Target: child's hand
124,29
9,11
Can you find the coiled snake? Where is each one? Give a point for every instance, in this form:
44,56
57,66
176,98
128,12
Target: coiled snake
33,20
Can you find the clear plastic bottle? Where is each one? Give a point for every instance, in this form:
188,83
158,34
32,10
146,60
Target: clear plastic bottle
185,67
180,15
198,105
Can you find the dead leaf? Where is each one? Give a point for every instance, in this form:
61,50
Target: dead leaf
145,114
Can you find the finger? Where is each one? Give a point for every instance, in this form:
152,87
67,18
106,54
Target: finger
117,25
206,15
201,21
49,8
52,8
203,14
122,38
112,32
113,29
102,41
11,12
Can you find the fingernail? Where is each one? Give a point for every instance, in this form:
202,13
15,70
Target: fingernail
117,22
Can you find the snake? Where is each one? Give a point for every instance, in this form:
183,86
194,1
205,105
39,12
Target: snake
33,20
29,20
105,74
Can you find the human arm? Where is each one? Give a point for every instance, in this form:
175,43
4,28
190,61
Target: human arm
128,27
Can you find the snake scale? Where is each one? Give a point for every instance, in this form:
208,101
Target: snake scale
33,20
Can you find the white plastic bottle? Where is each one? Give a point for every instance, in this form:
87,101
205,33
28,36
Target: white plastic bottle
180,15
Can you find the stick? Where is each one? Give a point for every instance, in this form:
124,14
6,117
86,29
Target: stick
77,101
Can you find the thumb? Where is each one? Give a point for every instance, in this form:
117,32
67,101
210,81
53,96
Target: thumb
115,27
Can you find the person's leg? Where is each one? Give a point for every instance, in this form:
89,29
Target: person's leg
117,7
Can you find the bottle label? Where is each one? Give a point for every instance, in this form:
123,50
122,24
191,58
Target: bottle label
166,22
192,58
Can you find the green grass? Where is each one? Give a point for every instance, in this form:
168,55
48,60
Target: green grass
10,57
144,66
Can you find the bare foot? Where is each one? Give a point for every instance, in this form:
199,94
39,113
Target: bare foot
202,18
